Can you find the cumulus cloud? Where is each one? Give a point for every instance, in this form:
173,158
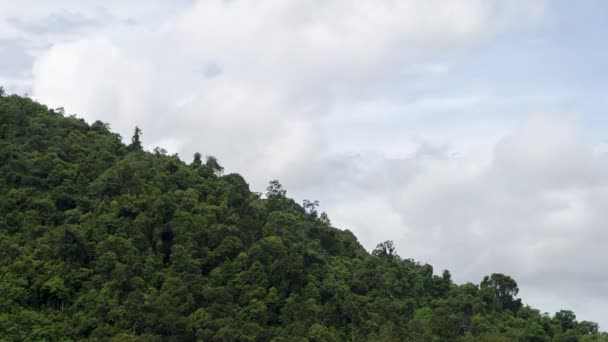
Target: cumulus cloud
251,83
531,206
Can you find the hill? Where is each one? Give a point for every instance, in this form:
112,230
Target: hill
104,241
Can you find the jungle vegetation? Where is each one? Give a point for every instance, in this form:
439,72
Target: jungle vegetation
104,241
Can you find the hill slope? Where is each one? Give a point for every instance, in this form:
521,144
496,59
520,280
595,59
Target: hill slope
104,241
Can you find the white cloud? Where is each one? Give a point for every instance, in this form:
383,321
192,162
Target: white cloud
278,67
532,206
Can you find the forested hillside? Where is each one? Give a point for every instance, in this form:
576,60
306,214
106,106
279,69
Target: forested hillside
104,241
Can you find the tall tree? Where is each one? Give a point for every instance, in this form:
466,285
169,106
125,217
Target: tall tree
213,164
275,189
196,161
385,249
136,140
505,289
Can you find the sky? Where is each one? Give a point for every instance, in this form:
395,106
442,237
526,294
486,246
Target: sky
472,133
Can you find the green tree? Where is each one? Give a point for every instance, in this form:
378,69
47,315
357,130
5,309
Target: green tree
136,140
505,289
275,189
197,162
213,164
385,249
565,319
311,208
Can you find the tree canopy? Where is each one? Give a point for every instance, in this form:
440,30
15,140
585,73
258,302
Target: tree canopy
103,241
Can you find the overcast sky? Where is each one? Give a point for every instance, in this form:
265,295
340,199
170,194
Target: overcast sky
472,133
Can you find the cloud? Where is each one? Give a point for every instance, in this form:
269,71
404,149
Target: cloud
532,206
251,83
61,22
16,61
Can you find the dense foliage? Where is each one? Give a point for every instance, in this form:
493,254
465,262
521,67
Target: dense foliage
104,241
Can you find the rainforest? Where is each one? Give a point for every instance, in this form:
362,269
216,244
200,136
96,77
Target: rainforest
105,241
